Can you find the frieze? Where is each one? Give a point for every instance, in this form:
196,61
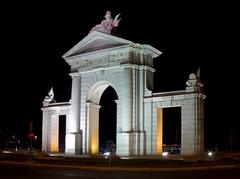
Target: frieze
109,60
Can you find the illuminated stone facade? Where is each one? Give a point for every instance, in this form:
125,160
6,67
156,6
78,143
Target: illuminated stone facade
102,60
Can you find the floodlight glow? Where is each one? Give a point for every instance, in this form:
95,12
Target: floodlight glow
164,154
54,133
6,152
210,154
106,154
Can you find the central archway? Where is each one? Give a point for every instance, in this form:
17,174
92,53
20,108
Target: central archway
101,116
107,120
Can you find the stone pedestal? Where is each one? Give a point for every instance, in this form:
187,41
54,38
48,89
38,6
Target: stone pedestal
73,143
131,143
125,144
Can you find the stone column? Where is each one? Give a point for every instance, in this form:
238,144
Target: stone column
138,90
74,125
74,137
148,119
127,99
125,139
141,94
45,124
93,128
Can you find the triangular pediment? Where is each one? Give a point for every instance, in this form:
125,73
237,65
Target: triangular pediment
96,41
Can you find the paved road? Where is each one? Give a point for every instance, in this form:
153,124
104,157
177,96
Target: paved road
11,171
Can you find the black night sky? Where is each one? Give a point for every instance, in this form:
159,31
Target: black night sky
35,35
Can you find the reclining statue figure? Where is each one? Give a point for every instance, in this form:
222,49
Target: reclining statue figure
107,25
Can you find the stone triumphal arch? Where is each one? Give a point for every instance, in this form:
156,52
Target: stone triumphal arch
101,60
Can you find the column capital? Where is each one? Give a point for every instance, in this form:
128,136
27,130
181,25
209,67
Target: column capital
93,105
74,74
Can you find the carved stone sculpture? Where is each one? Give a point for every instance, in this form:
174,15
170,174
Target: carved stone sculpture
108,24
194,82
49,98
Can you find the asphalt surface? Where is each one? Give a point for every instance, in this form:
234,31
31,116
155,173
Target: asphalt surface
12,171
